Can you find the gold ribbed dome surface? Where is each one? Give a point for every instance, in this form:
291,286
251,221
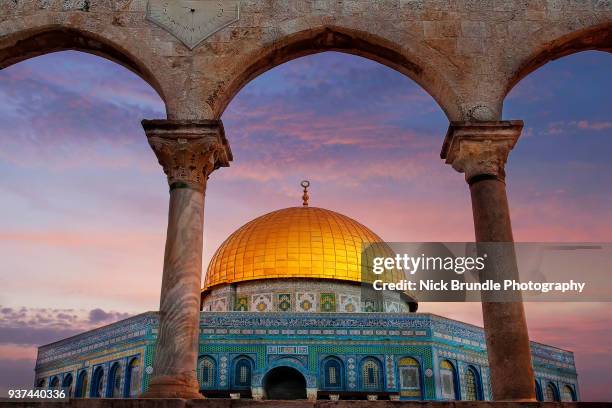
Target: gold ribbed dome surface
296,242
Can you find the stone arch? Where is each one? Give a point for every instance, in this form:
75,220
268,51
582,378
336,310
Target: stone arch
35,41
598,37
415,65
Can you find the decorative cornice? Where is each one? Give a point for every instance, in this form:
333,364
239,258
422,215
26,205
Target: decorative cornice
188,151
480,148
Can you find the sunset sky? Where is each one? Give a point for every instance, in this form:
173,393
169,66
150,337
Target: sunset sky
84,202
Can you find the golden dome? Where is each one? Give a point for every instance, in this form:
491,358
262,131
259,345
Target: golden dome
296,242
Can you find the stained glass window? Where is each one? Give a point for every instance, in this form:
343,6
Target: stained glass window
67,384
207,372
54,383
81,385
115,380
97,387
410,382
447,377
370,373
134,377
243,373
550,394
333,373
471,385
567,394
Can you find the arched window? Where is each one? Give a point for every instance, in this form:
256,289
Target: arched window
81,386
472,385
371,374
207,372
410,378
538,388
568,394
333,373
242,373
41,383
114,381
67,385
132,387
447,378
97,384
54,383
551,392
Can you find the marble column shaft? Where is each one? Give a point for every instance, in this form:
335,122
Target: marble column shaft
188,152
480,150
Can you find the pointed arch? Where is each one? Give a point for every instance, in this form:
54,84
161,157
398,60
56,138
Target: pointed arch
97,383
449,384
332,373
309,41
551,392
207,372
81,385
371,374
132,378
598,37
115,378
473,384
410,378
242,369
39,40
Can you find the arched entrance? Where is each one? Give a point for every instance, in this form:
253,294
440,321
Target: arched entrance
284,383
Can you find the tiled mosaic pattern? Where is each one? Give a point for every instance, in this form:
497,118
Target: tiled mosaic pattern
328,302
282,296
304,341
284,302
262,302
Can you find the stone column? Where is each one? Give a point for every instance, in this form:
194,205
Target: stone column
480,150
188,152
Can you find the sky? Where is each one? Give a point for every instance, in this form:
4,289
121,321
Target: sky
84,202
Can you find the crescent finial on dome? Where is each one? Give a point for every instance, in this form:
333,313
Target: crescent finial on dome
305,184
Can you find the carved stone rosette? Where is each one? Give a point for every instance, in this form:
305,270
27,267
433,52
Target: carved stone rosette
480,148
188,151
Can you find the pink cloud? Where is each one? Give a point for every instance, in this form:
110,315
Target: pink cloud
17,352
590,125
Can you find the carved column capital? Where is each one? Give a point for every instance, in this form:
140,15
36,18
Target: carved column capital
189,151
480,148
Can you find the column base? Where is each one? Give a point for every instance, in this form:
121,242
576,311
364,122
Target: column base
173,387
257,393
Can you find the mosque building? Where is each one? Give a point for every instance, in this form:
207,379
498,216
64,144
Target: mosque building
284,316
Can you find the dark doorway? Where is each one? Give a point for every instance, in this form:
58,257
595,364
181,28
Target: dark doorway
284,383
